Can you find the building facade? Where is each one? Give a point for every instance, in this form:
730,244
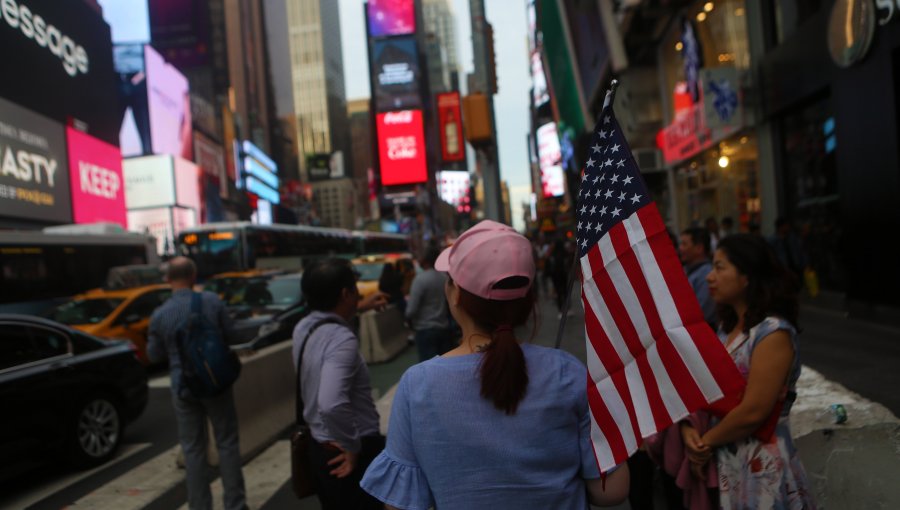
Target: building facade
439,19
336,203
317,70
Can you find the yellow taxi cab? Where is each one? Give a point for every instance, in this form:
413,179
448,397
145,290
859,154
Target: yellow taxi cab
369,268
114,313
233,285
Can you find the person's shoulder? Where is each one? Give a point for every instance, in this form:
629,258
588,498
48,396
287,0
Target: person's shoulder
772,324
565,361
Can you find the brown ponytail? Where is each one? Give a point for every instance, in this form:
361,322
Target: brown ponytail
504,376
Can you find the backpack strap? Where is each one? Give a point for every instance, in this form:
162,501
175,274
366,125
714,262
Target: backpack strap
299,399
196,303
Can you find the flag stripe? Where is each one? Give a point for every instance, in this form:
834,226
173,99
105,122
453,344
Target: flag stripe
619,445
624,336
632,288
675,301
668,365
600,358
602,446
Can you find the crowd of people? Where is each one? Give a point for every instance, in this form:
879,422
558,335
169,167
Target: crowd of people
486,420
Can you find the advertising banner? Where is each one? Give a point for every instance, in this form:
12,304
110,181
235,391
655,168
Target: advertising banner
149,182
550,156
211,158
258,173
395,74
179,29
589,44
187,184
156,102
538,80
401,148
163,223
391,17
318,166
57,61
453,187
34,181
450,118
98,187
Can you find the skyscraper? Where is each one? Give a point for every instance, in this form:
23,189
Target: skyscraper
317,70
439,20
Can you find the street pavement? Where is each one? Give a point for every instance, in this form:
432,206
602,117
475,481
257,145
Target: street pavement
861,356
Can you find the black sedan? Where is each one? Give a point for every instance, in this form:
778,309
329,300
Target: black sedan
64,393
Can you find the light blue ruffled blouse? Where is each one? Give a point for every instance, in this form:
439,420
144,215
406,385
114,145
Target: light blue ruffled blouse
448,447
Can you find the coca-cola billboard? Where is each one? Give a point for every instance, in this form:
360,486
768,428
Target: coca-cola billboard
401,148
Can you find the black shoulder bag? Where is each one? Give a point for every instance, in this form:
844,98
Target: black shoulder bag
302,478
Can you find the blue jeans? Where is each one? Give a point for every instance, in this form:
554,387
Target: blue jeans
191,415
434,342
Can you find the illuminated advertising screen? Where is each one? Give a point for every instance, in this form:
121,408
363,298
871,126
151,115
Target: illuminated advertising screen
187,184
149,182
211,158
258,173
57,62
391,17
550,156
395,69
156,104
538,80
401,147
34,181
97,184
453,187
179,29
453,148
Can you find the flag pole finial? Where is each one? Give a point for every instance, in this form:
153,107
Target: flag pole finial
610,94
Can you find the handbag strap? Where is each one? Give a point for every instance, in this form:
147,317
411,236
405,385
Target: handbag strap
299,400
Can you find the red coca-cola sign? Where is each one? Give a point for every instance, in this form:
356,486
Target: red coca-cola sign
401,148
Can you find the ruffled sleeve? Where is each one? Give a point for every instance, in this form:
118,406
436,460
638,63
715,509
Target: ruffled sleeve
397,484
394,477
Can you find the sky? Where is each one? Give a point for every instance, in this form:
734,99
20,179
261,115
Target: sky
129,21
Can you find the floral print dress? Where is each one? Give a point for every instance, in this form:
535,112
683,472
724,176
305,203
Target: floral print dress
757,475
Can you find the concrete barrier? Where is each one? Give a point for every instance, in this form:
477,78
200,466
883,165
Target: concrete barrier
382,335
264,400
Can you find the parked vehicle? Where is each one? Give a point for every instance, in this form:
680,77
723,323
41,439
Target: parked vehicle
116,313
64,391
369,268
265,307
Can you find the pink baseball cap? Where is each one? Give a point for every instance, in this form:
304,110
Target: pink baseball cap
486,254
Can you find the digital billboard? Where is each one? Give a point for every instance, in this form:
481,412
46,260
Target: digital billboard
453,148
550,156
34,181
395,74
211,158
179,29
57,61
97,184
453,187
149,182
258,173
155,104
187,184
391,17
401,147
538,80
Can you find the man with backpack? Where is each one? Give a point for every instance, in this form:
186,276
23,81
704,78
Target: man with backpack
190,331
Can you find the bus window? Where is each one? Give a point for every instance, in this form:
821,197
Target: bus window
214,252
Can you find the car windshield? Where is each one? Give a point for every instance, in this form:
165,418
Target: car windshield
369,272
84,311
265,293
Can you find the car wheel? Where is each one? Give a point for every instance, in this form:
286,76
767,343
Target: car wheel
98,430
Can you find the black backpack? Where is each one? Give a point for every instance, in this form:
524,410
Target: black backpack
208,365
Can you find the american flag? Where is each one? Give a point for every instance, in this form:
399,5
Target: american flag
652,359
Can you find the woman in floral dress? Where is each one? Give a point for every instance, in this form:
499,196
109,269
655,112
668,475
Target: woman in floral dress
758,311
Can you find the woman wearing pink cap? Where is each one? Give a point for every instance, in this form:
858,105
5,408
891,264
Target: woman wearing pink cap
493,423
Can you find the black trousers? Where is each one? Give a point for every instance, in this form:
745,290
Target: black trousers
641,493
344,493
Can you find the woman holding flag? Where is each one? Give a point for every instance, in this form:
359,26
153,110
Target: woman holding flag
493,423
758,310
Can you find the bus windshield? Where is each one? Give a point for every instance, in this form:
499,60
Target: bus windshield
213,252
